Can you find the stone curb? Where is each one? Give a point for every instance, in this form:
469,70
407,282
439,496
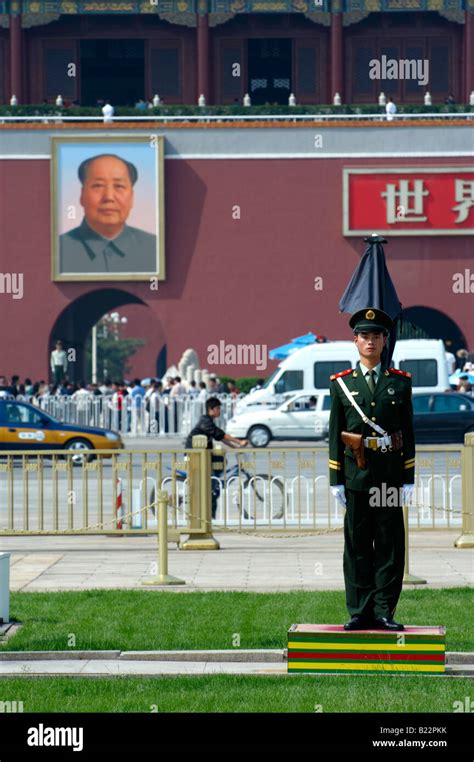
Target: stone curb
264,655
57,655
252,655
179,669
459,657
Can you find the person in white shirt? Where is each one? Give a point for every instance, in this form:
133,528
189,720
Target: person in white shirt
82,398
192,391
150,390
82,394
178,388
108,112
390,109
450,362
153,407
106,388
58,362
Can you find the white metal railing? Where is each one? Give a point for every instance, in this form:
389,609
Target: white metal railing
378,116
164,416
295,493
313,507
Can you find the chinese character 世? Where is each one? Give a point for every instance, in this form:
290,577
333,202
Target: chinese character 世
402,198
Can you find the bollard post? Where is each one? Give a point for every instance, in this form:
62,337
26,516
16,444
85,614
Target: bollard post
200,503
118,508
409,579
4,588
466,540
163,577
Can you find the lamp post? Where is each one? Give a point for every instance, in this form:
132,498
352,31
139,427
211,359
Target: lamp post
94,354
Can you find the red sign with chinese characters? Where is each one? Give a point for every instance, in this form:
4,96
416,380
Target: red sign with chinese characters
409,201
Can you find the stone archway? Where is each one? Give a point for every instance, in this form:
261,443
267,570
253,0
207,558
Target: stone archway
426,322
75,323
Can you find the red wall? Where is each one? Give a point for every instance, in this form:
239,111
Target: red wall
241,281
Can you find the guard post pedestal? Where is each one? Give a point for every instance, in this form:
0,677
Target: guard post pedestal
200,502
329,648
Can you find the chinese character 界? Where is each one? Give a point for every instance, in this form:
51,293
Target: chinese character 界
464,195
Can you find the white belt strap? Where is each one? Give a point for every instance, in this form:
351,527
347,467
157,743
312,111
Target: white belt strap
359,410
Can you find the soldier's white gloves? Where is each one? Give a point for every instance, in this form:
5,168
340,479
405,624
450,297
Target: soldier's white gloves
408,494
339,493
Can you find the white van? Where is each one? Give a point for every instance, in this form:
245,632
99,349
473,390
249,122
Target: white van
308,369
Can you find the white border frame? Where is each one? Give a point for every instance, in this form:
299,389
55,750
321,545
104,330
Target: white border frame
347,171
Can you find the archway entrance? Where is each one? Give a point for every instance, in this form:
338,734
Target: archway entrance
426,323
75,323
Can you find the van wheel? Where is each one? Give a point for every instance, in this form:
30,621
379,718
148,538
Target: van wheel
259,436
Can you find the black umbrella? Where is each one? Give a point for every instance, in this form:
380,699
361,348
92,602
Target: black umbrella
372,286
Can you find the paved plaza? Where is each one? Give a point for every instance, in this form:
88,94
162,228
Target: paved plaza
245,562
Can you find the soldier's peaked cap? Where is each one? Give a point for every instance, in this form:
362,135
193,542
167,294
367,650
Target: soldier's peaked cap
371,319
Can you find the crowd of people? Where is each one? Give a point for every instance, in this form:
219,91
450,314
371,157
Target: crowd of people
122,405
464,362
115,390
174,386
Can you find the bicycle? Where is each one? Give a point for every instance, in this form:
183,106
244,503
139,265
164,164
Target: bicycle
261,490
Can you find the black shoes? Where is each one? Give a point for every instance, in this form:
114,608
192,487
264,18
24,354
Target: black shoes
358,622
387,623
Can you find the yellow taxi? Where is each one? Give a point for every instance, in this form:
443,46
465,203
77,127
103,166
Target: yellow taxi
25,427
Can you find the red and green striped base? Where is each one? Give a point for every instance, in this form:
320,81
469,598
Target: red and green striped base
330,648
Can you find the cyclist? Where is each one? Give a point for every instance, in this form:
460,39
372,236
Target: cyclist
206,426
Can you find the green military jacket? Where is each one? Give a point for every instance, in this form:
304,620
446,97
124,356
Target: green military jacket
391,408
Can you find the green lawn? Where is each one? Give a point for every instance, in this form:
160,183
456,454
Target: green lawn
237,693
155,620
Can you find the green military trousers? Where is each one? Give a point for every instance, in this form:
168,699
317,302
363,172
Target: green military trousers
374,556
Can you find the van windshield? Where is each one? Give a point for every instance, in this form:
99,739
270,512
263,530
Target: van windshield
290,381
270,378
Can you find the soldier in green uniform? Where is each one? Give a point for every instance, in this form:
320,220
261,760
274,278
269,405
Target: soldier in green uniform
374,481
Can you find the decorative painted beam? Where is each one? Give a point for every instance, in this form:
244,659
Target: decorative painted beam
452,9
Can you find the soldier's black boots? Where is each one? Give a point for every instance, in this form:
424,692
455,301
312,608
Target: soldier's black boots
358,622
387,623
